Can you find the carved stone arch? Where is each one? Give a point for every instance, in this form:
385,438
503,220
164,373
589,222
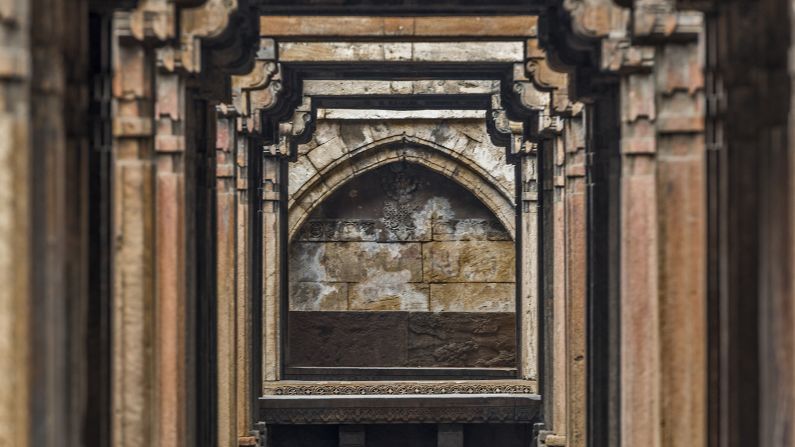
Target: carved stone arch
444,161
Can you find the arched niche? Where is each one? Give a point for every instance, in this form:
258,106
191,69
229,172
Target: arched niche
445,161
401,268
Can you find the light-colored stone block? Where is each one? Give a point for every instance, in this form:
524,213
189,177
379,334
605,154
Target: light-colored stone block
326,153
480,51
299,173
473,297
389,291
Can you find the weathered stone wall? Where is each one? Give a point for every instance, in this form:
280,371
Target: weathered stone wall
413,260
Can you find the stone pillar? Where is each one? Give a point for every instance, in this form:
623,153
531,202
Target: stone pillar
171,312
640,314
15,225
681,220
226,282
663,298
233,227
560,314
134,259
575,258
246,393
528,229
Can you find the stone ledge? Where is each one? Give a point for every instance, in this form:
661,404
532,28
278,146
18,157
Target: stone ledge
386,409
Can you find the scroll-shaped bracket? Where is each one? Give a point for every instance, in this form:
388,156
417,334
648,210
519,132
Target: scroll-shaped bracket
505,132
294,131
256,92
544,77
547,123
207,21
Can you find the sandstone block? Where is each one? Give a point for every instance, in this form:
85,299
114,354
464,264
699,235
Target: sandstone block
359,261
354,261
469,261
473,297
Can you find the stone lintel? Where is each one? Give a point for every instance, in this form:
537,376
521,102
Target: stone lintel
369,26
368,114
314,87
348,51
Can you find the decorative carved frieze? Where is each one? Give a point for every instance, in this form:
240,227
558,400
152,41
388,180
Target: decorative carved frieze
399,388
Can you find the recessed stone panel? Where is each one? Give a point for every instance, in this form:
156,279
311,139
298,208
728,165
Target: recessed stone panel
473,297
469,261
458,339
